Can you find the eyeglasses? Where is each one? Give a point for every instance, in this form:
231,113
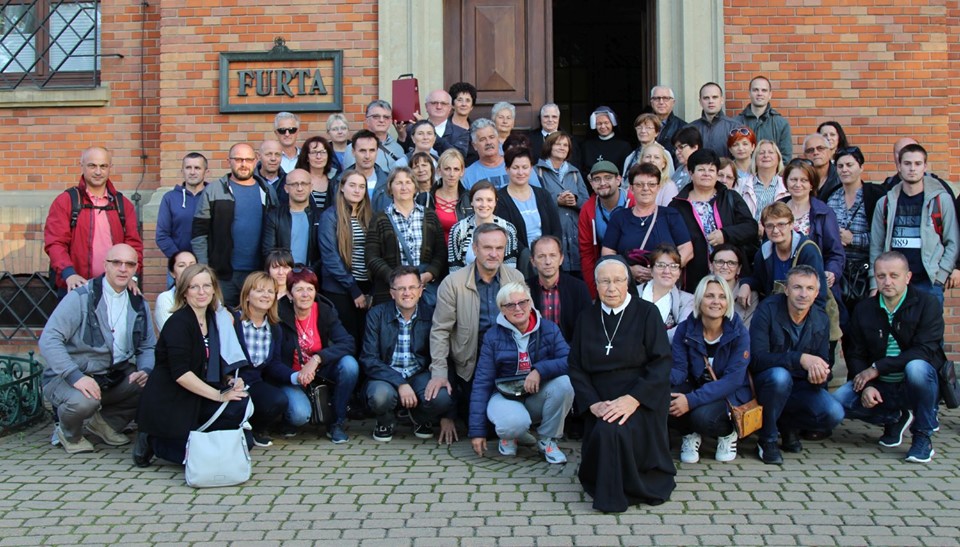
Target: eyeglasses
298,184
720,264
742,131
813,149
205,287
519,305
779,226
338,128
380,117
672,266
318,152
604,178
287,130
410,288
661,99
118,263
647,184
609,282
244,160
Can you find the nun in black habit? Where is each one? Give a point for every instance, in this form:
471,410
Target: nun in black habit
620,369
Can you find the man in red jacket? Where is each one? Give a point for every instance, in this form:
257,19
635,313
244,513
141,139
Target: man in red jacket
77,249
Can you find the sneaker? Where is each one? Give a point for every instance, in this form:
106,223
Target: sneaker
921,451
727,448
423,430
383,433
288,431
508,447
527,439
261,439
769,453
336,434
690,448
893,433
99,427
551,452
791,442
78,447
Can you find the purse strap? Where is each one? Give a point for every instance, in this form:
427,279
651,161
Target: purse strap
753,393
401,239
223,406
650,229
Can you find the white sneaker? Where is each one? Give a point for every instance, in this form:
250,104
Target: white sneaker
727,447
508,447
690,449
551,452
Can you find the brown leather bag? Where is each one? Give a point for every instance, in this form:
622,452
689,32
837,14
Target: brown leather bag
748,417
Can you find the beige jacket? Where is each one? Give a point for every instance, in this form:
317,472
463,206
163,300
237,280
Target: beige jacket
456,320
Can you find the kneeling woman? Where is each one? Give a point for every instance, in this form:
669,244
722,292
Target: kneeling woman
714,336
316,343
526,346
193,375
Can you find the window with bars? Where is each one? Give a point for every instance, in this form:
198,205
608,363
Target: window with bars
49,43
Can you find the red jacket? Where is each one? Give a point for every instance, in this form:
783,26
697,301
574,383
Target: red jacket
588,242
72,253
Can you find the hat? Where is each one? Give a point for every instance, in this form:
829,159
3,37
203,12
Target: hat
606,110
604,166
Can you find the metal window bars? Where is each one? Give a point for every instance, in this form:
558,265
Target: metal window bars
49,43
26,303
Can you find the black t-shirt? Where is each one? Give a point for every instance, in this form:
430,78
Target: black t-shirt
906,233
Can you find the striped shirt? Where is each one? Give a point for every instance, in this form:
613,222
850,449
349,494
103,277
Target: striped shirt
358,258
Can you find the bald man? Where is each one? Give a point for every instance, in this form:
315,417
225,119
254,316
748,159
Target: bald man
294,225
269,169
228,224
86,220
98,345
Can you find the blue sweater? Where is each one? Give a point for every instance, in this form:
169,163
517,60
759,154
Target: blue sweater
175,220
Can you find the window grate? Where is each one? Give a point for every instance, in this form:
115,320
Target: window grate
49,43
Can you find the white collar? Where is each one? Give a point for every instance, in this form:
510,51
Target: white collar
608,310
108,290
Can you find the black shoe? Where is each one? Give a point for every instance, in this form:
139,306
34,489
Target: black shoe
769,453
423,430
893,433
142,452
791,442
383,433
288,431
261,439
810,435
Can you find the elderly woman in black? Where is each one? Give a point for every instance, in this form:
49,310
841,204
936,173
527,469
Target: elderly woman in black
193,374
619,366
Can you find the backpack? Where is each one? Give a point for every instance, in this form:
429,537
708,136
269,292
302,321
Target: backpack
76,206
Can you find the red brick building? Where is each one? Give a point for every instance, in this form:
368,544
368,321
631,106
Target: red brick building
883,69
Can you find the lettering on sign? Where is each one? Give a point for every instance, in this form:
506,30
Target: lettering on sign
281,80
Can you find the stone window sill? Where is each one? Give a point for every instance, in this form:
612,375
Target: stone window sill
37,98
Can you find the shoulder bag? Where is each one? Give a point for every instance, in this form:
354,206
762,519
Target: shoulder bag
748,417
949,388
218,458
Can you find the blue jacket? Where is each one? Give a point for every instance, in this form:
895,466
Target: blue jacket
273,369
175,220
772,345
762,279
729,364
380,342
498,359
334,275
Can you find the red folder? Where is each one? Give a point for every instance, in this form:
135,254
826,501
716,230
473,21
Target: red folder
406,98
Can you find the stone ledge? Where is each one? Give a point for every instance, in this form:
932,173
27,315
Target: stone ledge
61,98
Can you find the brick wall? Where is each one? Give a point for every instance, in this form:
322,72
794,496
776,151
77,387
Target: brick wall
883,69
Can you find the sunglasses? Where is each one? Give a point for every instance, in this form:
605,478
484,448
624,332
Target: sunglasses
796,161
742,131
300,268
287,130
850,150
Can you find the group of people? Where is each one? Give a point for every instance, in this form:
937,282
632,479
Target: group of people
427,282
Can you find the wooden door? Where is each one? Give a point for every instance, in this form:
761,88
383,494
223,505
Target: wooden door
505,49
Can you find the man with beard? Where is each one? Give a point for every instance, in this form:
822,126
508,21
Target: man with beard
594,215
229,222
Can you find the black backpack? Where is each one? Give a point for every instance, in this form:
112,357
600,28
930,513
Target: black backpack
76,206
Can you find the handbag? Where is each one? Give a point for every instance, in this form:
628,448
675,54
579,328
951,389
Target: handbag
856,281
218,458
748,417
321,405
949,388
511,387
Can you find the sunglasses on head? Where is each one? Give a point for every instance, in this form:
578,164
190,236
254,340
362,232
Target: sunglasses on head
743,131
299,268
287,130
796,161
850,150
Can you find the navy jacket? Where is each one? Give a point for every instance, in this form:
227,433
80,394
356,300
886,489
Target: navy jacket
334,275
273,369
729,364
498,359
771,343
277,228
917,327
574,298
380,341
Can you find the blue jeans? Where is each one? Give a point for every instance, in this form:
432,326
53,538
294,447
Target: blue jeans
793,403
383,398
298,406
709,420
549,406
343,374
919,392
929,288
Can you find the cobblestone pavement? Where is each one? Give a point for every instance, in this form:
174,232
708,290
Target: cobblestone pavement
843,491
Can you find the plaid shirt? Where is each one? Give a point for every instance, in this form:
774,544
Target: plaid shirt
258,341
404,361
853,219
411,230
550,302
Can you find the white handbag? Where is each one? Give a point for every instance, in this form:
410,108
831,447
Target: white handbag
218,458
